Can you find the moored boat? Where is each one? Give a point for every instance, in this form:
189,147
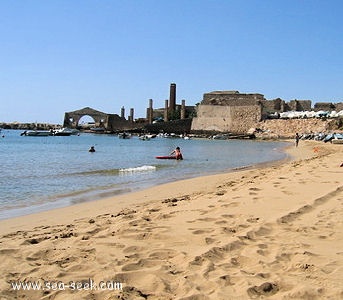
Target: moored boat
147,137
337,141
97,129
64,132
144,138
337,138
36,133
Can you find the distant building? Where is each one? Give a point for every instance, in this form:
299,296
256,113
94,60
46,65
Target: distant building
228,111
232,111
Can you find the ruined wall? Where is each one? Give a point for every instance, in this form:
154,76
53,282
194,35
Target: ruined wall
116,123
279,105
339,106
272,106
176,126
235,119
231,98
326,106
300,105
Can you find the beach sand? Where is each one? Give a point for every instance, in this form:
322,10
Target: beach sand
271,232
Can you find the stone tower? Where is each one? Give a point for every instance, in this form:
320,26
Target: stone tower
172,98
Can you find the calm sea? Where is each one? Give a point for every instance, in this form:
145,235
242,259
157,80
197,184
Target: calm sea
40,173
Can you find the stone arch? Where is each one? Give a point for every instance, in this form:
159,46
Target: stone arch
109,122
71,119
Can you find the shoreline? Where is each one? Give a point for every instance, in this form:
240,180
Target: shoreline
101,194
35,217
264,231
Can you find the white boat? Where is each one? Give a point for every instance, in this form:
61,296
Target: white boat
36,133
337,138
144,138
147,137
220,137
64,132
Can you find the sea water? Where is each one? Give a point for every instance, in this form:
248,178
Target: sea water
40,173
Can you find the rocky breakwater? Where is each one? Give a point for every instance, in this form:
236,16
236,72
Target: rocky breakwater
29,126
286,128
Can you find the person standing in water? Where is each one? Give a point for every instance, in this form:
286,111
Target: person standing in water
177,153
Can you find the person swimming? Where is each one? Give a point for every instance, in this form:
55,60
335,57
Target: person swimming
92,149
177,153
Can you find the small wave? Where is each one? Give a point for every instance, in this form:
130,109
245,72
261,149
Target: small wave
91,172
138,169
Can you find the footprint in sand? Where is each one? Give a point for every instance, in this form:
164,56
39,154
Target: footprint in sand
220,193
142,263
221,222
254,189
209,241
253,220
201,231
206,219
227,216
265,289
232,204
163,254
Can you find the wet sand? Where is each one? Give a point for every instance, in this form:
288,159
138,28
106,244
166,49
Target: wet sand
273,231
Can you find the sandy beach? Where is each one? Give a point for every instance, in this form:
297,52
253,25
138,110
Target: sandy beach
273,232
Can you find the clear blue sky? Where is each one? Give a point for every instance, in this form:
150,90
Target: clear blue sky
62,55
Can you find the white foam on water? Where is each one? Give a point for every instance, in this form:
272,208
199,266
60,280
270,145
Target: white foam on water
138,169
